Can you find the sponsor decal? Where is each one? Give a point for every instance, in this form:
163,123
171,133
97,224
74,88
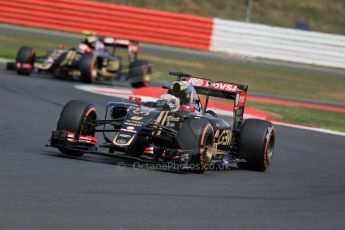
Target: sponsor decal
196,81
223,86
141,112
223,137
136,118
124,138
129,130
121,141
81,139
175,119
134,123
172,121
124,135
241,99
87,139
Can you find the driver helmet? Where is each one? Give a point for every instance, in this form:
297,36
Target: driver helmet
91,41
185,92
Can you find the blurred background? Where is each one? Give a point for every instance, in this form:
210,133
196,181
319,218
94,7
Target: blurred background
317,15
290,53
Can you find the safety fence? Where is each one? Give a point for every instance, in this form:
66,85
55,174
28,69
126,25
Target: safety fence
175,29
110,20
270,42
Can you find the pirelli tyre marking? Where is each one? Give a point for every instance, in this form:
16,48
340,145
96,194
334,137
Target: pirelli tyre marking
269,147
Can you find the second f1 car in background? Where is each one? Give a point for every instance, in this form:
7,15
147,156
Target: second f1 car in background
94,58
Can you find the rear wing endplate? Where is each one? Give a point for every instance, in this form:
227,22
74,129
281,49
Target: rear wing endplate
133,46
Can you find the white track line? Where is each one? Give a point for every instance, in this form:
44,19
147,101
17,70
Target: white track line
320,130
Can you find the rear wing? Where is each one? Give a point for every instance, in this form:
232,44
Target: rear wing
220,89
133,46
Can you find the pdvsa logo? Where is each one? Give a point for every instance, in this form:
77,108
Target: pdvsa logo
225,86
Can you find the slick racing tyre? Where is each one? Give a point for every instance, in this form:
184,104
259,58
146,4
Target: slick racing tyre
25,60
75,117
139,73
88,68
197,136
256,144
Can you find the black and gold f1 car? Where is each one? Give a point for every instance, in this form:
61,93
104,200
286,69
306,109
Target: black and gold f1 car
177,128
93,58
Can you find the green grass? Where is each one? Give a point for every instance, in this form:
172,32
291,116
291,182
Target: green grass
305,116
321,15
10,43
263,79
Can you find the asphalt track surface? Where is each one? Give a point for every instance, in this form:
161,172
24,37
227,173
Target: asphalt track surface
42,189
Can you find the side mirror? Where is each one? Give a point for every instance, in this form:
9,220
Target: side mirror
61,46
134,100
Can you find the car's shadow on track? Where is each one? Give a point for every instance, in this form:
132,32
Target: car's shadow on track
118,163
47,76
130,164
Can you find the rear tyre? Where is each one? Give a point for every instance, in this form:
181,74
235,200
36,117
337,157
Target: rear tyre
256,144
25,56
197,136
88,68
75,117
139,73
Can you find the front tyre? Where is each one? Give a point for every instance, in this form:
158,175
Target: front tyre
75,117
197,136
256,144
25,60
